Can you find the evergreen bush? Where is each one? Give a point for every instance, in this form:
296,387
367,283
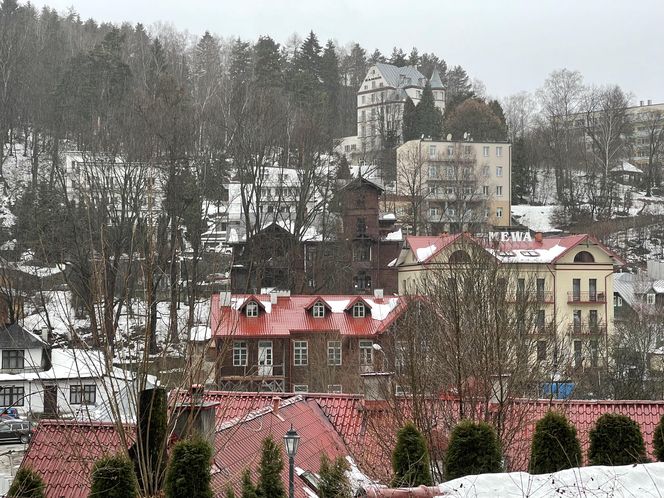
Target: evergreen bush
616,440
555,445
188,474
410,459
114,477
27,484
269,472
248,488
473,449
658,440
333,479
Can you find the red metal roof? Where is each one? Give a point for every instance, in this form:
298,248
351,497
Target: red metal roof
63,453
290,315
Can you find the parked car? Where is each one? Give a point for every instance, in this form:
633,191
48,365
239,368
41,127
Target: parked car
15,430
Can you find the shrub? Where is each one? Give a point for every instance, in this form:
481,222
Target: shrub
188,473
616,440
555,445
114,477
333,479
658,440
27,484
248,488
410,459
473,449
269,472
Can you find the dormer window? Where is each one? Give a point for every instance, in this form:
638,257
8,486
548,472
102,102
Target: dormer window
359,310
251,309
318,310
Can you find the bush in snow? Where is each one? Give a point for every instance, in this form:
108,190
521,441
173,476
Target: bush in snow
473,449
555,445
658,440
616,440
410,459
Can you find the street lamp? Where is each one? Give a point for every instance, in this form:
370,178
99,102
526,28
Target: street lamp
291,442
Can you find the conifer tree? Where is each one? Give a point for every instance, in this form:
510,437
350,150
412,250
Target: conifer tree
188,472
473,449
616,440
356,63
429,119
248,488
114,477
26,484
269,472
409,121
414,58
267,63
376,56
410,459
331,81
333,479
398,57
658,440
555,445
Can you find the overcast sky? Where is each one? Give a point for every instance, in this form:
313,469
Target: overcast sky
511,45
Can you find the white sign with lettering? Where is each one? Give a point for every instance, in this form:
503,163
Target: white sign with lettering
511,236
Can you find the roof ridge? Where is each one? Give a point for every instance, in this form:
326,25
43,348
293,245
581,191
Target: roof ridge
260,412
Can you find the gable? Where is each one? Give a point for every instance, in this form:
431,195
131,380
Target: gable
588,252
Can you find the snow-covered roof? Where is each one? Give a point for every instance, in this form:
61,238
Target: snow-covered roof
396,235
200,333
626,167
66,364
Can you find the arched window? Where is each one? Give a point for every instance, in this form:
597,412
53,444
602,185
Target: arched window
459,257
584,257
252,309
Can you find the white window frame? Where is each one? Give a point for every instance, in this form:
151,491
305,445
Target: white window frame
240,353
318,310
359,310
499,151
617,301
499,190
300,388
485,190
485,151
366,353
251,310
300,353
499,212
334,353
432,152
499,171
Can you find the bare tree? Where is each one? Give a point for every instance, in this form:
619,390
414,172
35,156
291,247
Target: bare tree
654,149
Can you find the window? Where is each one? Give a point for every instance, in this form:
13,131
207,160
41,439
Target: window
12,396
541,319
541,350
319,310
593,321
499,190
485,151
578,353
450,173
362,281
499,212
83,395
486,171
363,99
467,150
450,151
617,301
584,257
363,115
13,359
499,151
240,353
359,310
300,353
576,289
334,388
499,171
432,152
366,353
362,252
400,350
485,190
594,353
650,299
433,211
361,226
520,288
576,320
592,289
252,309
334,353
301,388
433,171
540,289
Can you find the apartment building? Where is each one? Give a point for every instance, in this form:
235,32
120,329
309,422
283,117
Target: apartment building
570,277
457,185
285,343
648,122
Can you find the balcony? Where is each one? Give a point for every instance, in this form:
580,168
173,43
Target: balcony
587,329
541,297
586,297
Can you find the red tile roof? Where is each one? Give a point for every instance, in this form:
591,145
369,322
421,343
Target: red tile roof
63,453
290,316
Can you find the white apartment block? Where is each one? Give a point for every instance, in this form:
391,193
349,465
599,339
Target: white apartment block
643,117
462,185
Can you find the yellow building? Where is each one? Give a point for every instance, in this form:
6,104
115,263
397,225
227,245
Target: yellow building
569,279
455,186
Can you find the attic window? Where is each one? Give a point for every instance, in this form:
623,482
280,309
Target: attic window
251,310
359,310
318,310
507,254
530,254
584,257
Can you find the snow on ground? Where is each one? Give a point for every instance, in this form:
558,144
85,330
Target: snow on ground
624,481
537,218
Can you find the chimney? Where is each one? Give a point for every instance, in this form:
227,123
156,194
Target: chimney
538,237
377,386
195,416
649,102
273,297
276,403
224,299
641,103
378,293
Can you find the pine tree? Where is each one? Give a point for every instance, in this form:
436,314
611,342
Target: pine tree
331,81
268,63
521,172
428,118
616,440
114,477
376,56
357,66
343,170
334,482
248,488
410,459
458,87
414,58
305,73
269,472
188,473
26,484
409,121
398,57
473,449
555,445
658,440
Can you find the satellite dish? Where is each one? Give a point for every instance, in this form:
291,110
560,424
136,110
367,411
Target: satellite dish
449,137
465,135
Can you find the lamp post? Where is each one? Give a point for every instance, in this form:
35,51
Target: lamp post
291,442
